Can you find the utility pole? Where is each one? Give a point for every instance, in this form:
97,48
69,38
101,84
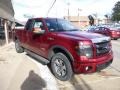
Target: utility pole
79,15
79,11
68,10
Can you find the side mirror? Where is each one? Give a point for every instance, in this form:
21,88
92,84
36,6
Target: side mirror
38,31
52,29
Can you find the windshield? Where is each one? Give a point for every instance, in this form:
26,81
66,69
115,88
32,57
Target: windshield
60,25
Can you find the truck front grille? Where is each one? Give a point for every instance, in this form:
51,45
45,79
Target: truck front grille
102,48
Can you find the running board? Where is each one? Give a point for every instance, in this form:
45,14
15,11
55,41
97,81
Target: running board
37,57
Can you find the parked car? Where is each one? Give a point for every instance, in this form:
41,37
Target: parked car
113,32
89,28
63,47
117,26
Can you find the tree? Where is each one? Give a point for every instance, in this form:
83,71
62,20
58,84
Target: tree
91,22
116,12
106,16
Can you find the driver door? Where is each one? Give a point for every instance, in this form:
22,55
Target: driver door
35,40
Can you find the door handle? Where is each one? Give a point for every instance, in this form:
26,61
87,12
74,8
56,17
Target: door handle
50,38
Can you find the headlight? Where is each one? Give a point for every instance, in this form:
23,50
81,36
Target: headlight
85,50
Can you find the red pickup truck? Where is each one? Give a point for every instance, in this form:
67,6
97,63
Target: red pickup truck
63,47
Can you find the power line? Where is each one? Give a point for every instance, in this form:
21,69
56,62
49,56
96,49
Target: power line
51,7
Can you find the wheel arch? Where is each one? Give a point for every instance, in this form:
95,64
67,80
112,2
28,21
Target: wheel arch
56,49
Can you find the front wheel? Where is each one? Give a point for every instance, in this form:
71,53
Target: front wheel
61,67
18,48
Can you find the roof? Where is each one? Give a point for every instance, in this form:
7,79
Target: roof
6,10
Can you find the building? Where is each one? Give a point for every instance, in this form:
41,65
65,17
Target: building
79,21
6,20
83,21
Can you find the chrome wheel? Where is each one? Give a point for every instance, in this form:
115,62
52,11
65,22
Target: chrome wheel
60,67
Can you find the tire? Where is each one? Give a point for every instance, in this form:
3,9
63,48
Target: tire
61,67
115,38
18,48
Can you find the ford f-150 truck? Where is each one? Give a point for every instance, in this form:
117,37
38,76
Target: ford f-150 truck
63,47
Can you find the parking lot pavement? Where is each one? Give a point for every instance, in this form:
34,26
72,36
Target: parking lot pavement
21,72
116,52
17,72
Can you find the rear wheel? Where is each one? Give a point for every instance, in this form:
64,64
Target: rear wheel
61,67
18,48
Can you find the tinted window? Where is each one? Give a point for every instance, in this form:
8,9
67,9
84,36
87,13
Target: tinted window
66,25
101,28
52,25
97,29
29,25
59,25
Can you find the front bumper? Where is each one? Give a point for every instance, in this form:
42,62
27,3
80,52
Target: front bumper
97,64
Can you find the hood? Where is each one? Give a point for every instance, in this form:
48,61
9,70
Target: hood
79,35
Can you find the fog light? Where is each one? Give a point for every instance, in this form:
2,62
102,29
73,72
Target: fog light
88,68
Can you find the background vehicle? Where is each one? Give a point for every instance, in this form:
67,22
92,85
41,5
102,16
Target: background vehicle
63,47
113,32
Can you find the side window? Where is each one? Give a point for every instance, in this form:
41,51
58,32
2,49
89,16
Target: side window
29,25
38,24
102,28
97,29
52,25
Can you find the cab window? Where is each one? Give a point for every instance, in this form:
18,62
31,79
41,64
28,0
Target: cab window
38,24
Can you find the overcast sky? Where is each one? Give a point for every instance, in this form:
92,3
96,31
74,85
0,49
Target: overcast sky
39,8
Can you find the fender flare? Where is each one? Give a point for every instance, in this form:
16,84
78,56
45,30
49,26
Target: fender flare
51,53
